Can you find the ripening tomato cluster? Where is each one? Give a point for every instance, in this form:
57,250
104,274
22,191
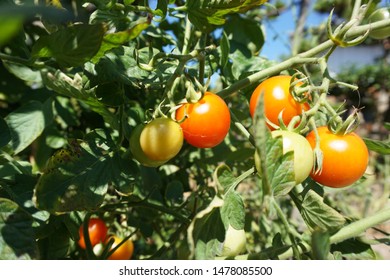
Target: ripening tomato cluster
97,232
345,157
203,124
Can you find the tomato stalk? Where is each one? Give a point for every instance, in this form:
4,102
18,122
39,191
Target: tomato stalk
318,155
287,226
301,59
350,231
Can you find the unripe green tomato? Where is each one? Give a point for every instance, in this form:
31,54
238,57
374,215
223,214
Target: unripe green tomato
161,139
235,242
378,15
303,153
136,150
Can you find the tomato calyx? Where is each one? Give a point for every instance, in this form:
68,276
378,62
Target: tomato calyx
339,35
299,88
339,127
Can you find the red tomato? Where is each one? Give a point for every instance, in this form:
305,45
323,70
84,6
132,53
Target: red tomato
345,158
124,252
97,231
207,122
277,98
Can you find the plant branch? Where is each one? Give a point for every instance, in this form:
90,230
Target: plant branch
302,58
350,231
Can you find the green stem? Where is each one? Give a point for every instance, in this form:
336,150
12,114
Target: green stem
285,222
242,129
187,36
356,228
302,58
350,231
240,178
356,8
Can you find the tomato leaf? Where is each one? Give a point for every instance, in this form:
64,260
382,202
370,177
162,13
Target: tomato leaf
232,211
318,215
120,65
248,39
380,147
277,170
117,39
78,179
206,232
353,249
55,246
205,15
27,123
73,87
225,49
17,239
71,46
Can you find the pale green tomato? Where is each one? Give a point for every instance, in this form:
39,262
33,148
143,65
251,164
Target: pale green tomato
303,153
378,15
161,139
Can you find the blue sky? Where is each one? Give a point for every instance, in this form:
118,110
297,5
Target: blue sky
278,31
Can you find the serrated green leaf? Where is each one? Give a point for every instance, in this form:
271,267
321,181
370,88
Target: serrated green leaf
381,147
121,66
78,179
206,14
27,123
242,66
277,170
233,211
114,40
73,87
318,215
71,46
17,239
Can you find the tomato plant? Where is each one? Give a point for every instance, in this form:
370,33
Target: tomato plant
380,14
277,99
124,251
303,153
136,150
207,121
345,158
97,231
161,139
93,94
